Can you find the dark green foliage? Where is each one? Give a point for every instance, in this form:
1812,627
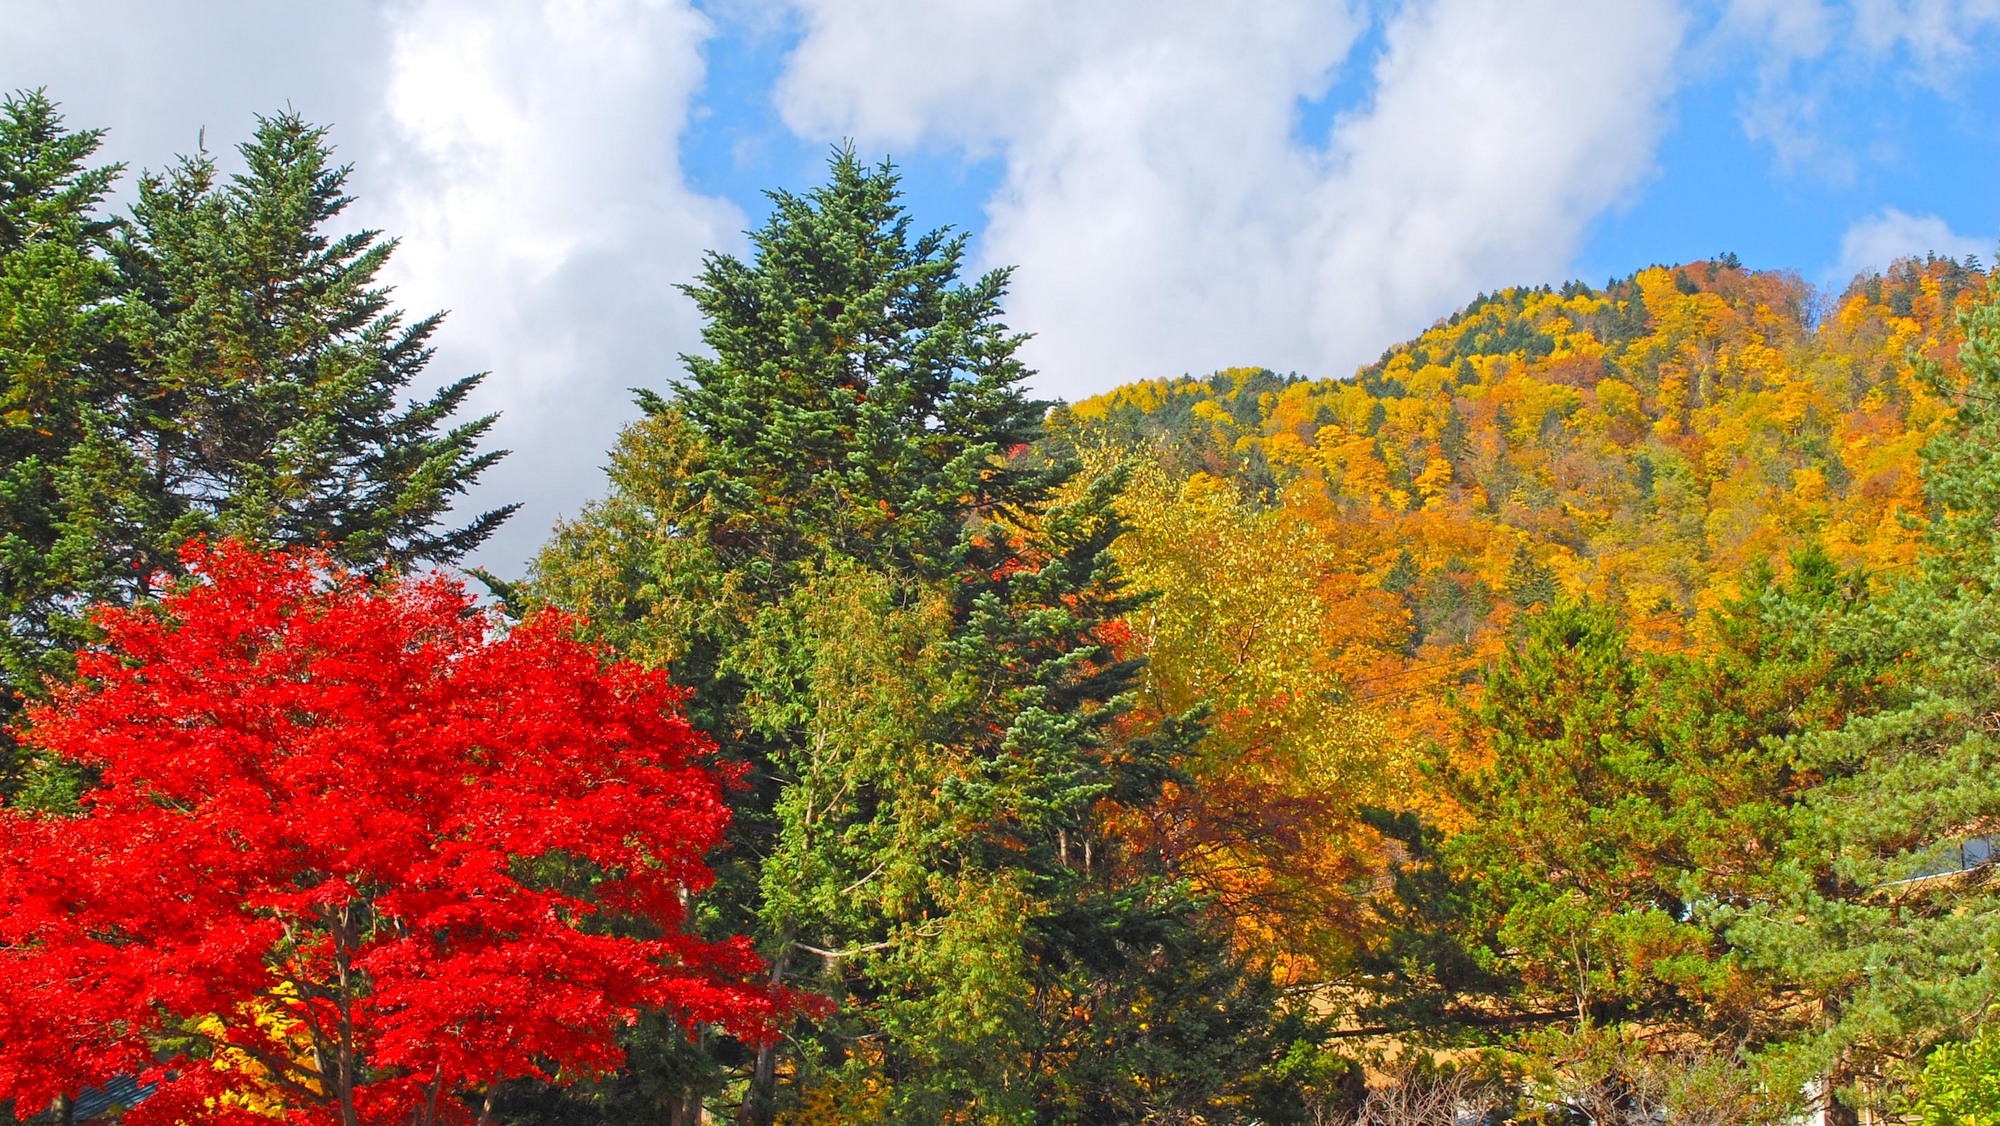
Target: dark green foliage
1530,582
61,376
219,364
861,401
1146,1016
893,613
1168,425
274,366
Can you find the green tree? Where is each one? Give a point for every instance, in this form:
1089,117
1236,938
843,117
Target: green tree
273,367
836,530
1616,804
62,375
1960,1083
1889,945
1566,833
218,364
861,400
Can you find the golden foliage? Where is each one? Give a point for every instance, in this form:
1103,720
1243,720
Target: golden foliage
1333,560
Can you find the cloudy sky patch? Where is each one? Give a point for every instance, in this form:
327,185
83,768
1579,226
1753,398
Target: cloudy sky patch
1180,185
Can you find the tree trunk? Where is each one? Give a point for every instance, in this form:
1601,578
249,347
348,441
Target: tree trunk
760,1104
686,1109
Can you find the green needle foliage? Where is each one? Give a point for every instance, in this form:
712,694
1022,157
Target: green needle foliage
1890,946
892,613
861,399
275,368
220,363
60,461
1619,807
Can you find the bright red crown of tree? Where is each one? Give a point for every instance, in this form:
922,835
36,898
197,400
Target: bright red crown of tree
353,853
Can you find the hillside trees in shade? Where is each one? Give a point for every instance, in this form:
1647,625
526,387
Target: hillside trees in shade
353,858
837,530
223,361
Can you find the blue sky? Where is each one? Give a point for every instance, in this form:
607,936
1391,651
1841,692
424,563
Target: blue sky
1181,184
1890,132
1891,129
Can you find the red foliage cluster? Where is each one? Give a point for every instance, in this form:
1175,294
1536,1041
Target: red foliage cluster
354,855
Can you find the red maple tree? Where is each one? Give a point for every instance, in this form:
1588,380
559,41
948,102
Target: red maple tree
353,856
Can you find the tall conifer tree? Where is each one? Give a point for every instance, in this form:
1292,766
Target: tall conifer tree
835,530
221,363
60,377
274,366
1872,914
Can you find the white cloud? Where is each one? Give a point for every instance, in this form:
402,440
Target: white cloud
1165,216
1788,28
1805,51
1496,135
1936,33
526,151
1873,243
543,201
1933,35
157,75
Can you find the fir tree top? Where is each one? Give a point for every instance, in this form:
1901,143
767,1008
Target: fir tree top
276,365
861,400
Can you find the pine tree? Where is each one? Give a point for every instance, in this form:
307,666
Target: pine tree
273,367
1613,802
860,401
59,376
836,530
1870,914
219,364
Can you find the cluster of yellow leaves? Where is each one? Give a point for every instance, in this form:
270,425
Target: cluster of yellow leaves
846,1097
1262,620
282,1030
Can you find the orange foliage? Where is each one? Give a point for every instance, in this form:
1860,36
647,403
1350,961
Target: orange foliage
1335,559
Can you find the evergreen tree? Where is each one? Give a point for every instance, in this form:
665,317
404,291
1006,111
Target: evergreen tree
59,377
220,364
1891,946
1530,582
273,367
1612,802
896,616
860,400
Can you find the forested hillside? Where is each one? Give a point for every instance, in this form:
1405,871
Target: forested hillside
1641,444
1525,646
1338,559
1584,714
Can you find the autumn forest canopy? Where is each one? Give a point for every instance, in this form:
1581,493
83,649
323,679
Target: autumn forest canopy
1583,714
